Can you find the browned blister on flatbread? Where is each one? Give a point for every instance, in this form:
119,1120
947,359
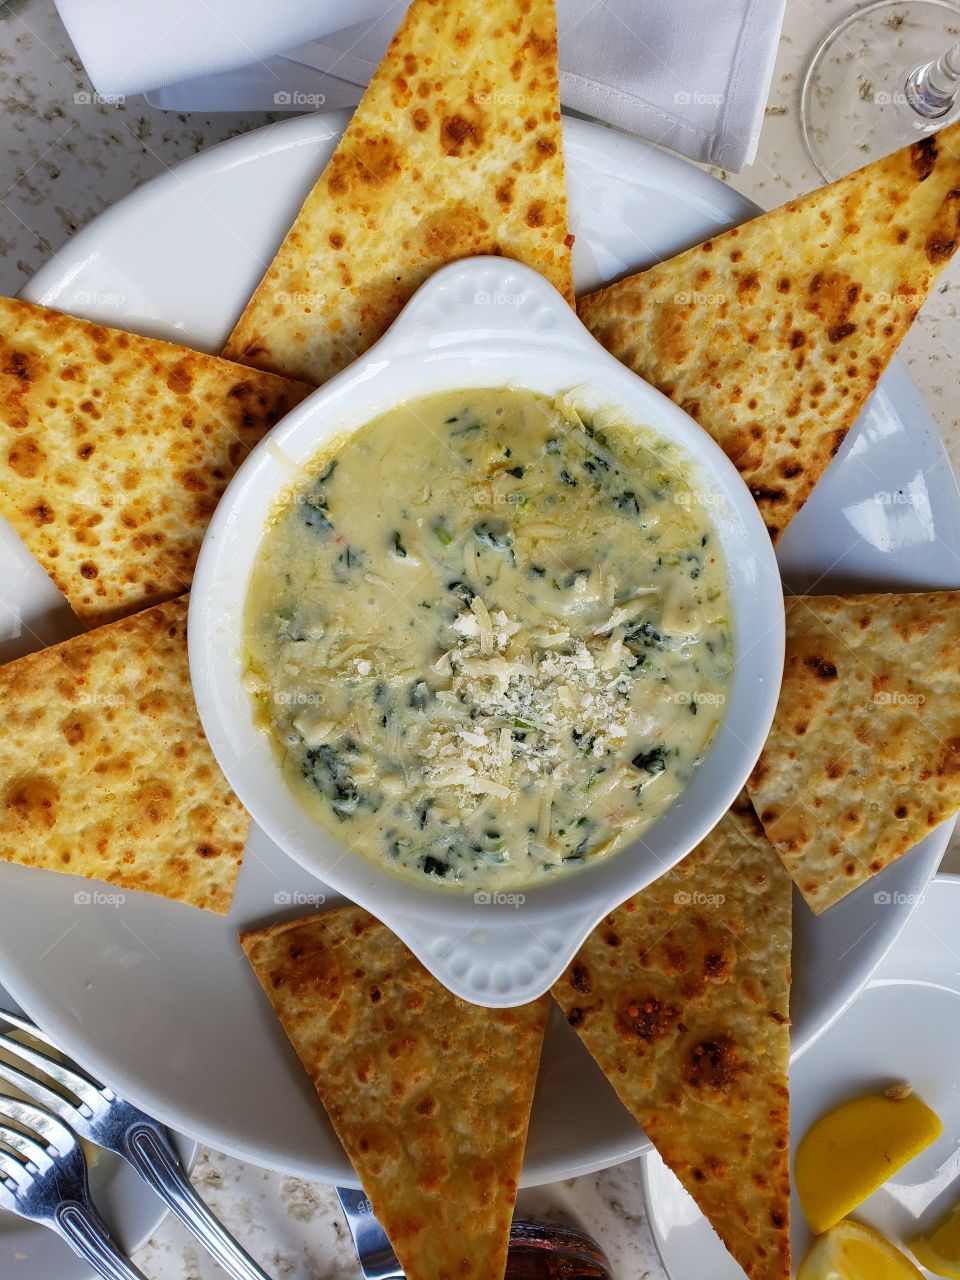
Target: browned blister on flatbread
115,449
455,150
104,768
682,997
773,334
429,1095
863,758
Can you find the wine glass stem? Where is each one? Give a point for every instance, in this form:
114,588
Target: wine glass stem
932,88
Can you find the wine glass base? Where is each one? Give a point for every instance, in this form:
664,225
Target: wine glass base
853,105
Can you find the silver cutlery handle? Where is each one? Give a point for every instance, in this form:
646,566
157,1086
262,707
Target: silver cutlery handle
87,1235
377,1258
150,1152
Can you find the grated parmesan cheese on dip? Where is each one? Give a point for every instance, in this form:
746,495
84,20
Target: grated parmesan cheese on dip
490,636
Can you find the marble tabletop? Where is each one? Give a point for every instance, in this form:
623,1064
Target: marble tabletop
64,157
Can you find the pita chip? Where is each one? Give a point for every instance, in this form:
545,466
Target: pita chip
863,758
682,997
774,334
429,1095
104,769
455,150
115,449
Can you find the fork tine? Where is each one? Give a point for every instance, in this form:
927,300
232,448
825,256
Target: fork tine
26,1146
83,1087
139,1139
24,1024
41,1093
58,1135
14,1170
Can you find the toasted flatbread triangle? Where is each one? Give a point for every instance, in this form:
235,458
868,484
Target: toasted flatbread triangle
773,334
115,449
863,758
682,997
104,769
455,150
429,1095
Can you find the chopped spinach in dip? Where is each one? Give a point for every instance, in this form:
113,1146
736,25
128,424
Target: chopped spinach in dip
490,636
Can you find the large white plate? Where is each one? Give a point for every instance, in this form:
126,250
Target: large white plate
158,996
904,1026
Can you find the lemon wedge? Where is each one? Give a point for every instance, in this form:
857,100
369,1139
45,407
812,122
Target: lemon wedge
939,1249
851,1251
854,1149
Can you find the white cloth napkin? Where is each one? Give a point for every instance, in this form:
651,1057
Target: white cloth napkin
692,75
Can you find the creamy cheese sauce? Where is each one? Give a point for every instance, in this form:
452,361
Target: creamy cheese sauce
490,636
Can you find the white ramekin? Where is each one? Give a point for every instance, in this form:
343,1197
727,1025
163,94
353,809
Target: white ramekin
484,322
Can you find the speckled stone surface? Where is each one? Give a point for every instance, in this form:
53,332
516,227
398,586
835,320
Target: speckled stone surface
296,1232
65,157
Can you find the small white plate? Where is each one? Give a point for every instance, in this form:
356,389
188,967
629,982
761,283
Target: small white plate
905,1025
485,322
131,1210
158,995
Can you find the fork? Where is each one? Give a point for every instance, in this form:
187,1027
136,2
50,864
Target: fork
110,1122
374,1251
46,1181
537,1249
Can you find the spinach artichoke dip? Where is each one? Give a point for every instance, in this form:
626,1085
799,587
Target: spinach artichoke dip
490,636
